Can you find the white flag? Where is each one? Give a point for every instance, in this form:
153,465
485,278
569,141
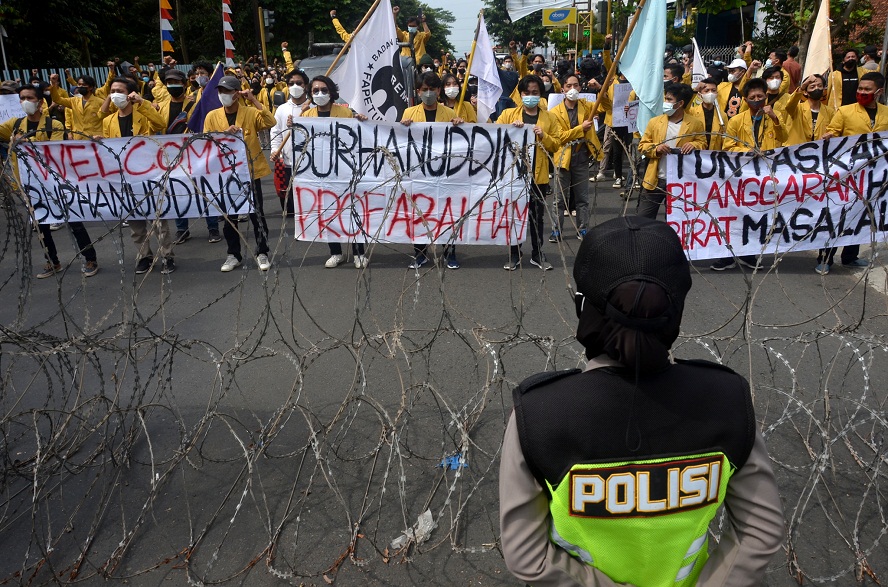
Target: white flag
698,73
371,78
819,57
484,68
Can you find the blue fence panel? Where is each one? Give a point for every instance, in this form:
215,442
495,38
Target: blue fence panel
99,73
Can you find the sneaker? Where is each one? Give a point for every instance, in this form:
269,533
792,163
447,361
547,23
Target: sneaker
144,265
90,268
723,264
857,263
49,270
230,264
618,182
361,262
567,213
181,236
167,265
243,217
600,177
418,261
124,224
452,263
541,262
56,225
333,261
215,237
263,262
751,262
822,269
555,237
573,213
513,264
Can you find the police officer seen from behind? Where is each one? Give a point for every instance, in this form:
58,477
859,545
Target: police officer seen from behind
612,475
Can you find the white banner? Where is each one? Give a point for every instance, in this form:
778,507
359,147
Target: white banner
625,111
421,183
518,9
166,176
11,107
810,196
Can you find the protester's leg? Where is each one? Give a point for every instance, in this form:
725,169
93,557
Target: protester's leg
139,232
84,243
260,227
620,142
580,187
49,247
164,238
850,253
606,150
232,236
212,223
181,224
563,196
358,248
649,202
536,206
335,248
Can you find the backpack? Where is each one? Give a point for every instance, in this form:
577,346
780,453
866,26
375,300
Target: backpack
179,125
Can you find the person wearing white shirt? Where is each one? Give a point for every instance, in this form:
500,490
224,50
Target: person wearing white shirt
282,137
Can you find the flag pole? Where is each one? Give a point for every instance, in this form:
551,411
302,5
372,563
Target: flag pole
613,68
355,32
465,84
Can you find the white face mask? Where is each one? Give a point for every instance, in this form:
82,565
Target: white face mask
321,99
774,84
668,108
572,94
732,77
269,81
119,100
297,91
709,98
30,108
226,99
428,97
768,63
451,92
548,86
202,80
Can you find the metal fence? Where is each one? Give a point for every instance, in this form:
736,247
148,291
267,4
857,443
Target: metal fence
99,73
725,54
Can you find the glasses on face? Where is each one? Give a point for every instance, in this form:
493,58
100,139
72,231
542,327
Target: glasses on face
298,83
319,91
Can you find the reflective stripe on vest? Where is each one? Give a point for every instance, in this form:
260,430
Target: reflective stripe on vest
641,522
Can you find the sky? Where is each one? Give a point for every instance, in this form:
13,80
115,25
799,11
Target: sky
463,29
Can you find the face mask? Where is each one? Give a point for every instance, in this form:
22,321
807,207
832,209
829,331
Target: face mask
709,98
507,66
426,69
144,78
461,70
119,100
755,105
297,91
202,80
865,99
451,92
151,69
668,108
774,84
768,63
572,94
412,29
530,101
428,97
851,64
548,86
269,81
30,108
815,94
35,84
321,99
733,77
226,99
176,91
437,65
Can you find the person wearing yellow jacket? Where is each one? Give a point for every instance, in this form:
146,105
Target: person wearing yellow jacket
547,133
806,115
451,99
324,93
233,117
420,37
578,143
430,110
706,109
617,139
83,107
340,30
864,116
135,116
36,125
270,86
730,93
674,129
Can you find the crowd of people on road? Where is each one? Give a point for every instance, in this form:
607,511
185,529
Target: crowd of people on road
743,105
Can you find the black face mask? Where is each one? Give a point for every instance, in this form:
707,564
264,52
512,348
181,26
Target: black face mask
850,64
755,104
176,91
815,94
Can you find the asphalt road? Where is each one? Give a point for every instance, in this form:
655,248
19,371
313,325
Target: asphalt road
285,427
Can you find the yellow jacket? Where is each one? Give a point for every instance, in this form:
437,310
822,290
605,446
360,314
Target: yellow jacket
549,143
724,92
336,111
266,97
572,133
146,121
466,111
739,134
419,42
691,131
102,91
715,139
340,30
854,120
798,119
7,128
85,120
417,114
834,98
251,120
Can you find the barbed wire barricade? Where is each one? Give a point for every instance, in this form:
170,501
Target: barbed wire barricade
309,426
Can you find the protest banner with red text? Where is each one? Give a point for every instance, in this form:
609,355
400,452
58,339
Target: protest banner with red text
167,176
386,182
810,196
